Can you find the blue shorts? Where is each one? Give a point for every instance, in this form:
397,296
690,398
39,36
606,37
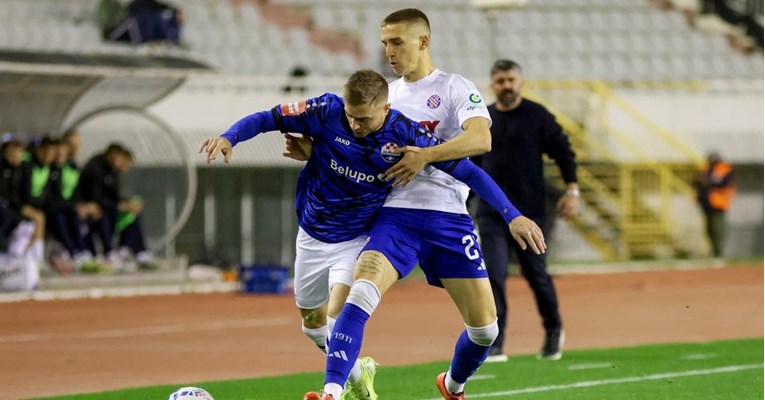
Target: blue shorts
444,244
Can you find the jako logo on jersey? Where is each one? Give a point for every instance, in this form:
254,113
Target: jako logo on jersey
294,108
433,102
357,176
343,141
388,152
474,98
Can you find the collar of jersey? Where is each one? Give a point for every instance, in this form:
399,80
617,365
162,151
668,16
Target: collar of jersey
425,80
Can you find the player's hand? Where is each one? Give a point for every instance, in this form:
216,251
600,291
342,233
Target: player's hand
213,146
568,206
413,161
298,148
528,234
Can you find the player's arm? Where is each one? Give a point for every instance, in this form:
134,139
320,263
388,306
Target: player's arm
291,117
242,130
474,140
525,231
556,145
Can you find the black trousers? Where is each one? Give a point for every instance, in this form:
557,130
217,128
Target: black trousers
498,247
131,237
64,223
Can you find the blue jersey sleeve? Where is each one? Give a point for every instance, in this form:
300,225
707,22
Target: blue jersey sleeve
470,174
481,183
304,117
249,127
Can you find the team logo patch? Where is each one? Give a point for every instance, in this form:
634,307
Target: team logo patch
433,102
474,98
388,152
294,108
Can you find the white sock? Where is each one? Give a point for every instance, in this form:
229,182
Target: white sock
20,239
38,250
318,336
334,389
452,386
32,271
355,374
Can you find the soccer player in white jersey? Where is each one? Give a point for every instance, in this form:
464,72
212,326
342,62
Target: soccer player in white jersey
426,221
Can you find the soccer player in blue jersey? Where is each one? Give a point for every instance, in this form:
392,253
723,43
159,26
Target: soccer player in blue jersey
425,223
342,188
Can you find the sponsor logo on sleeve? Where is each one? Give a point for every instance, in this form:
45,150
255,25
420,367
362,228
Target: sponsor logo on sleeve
474,98
294,108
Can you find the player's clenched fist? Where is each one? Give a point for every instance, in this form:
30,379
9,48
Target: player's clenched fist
214,146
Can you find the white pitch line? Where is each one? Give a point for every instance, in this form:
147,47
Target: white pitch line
584,384
576,367
149,330
706,356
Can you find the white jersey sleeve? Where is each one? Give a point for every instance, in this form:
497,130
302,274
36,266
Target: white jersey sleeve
467,101
441,102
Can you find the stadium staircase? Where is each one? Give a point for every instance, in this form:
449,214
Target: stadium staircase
627,201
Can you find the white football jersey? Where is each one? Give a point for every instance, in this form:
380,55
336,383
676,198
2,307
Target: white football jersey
442,102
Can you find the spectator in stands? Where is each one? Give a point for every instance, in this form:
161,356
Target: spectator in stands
522,133
149,21
716,187
109,15
13,210
99,183
297,80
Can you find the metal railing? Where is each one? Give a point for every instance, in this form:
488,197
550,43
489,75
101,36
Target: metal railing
635,206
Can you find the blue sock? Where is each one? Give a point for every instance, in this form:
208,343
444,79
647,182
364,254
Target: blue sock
468,357
345,343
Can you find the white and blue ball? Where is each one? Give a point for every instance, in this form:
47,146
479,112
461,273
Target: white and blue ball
190,393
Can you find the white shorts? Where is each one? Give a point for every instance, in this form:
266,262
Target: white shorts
320,265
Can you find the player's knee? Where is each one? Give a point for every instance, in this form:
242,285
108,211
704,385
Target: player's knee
483,335
365,295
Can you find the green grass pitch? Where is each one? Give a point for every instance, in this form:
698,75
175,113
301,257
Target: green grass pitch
689,371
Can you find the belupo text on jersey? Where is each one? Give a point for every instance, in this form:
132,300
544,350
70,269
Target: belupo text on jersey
352,174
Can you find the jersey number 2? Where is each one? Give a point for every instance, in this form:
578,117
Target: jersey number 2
470,251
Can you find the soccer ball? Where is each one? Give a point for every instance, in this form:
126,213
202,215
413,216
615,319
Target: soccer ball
190,393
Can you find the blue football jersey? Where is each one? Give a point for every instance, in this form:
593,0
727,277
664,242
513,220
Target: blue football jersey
342,186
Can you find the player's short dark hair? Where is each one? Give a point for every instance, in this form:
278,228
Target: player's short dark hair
407,15
9,144
365,86
504,64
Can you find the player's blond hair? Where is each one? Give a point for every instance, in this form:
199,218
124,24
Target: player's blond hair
365,87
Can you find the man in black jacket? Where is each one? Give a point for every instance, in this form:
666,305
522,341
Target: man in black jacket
14,207
10,190
100,184
522,131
